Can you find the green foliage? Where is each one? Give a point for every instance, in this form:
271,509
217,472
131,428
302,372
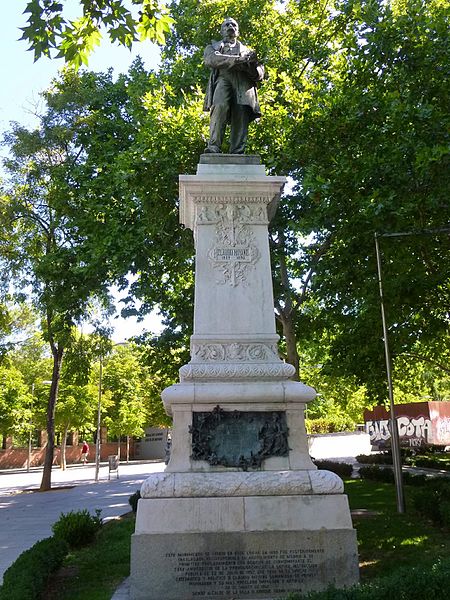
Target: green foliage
77,528
444,510
341,396
354,111
133,500
96,571
431,500
439,460
382,458
124,383
377,473
435,461
49,29
340,468
331,424
27,577
15,398
360,170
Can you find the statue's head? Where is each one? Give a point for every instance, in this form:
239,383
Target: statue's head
229,29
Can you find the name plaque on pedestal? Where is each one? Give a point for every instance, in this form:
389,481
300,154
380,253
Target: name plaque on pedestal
240,439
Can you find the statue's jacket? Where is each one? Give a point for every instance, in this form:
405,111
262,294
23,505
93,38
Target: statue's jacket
244,76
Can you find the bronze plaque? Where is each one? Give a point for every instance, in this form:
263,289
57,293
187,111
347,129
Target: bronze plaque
238,438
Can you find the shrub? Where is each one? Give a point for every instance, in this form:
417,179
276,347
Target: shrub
432,500
411,479
27,577
377,474
331,424
133,500
383,458
77,528
444,509
340,468
421,583
430,462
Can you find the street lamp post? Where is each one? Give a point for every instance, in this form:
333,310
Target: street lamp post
395,441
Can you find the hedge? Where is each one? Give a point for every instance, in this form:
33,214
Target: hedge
340,468
27,577
431,498
384,458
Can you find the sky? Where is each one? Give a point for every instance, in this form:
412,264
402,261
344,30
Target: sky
21,81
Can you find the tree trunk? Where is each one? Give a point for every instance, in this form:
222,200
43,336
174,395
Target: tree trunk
4,441
291,343
128,448
63,448
287,312
46,483
118,447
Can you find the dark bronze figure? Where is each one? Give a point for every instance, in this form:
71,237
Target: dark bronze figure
231,96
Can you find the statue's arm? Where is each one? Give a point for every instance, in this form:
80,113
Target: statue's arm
215,60
252,68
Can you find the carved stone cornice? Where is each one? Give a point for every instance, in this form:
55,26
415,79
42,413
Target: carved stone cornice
227,210
236,371
196,190
234,352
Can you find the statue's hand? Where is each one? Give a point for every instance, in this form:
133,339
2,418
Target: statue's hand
246,59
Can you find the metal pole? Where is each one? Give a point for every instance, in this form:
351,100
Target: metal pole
30,425
99,407
395,442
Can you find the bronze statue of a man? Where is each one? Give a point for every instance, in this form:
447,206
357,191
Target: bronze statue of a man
231,95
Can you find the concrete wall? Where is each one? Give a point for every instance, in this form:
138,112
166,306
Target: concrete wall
339,445
153,445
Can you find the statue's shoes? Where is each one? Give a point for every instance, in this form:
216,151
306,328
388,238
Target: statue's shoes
211,150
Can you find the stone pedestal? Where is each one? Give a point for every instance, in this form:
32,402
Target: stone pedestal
241,511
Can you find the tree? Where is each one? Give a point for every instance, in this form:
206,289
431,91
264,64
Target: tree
344,79
17,323
372,156
44,247
124,381
51,28
14,401
75,411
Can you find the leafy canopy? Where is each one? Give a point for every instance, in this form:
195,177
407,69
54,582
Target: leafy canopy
51,29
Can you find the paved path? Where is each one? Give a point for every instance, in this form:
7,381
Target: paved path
26,517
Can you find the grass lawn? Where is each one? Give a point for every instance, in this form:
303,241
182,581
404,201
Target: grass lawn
386,541
389,540
94,572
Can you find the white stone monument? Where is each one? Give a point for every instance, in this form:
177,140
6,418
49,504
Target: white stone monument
241,511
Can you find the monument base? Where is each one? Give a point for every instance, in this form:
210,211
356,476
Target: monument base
254,547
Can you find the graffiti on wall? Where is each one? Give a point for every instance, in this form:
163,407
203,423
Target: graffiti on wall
413,431
443,430
378,431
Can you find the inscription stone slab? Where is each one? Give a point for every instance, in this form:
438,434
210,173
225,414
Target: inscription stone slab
251,565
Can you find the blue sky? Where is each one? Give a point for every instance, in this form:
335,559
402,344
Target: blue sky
22,80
